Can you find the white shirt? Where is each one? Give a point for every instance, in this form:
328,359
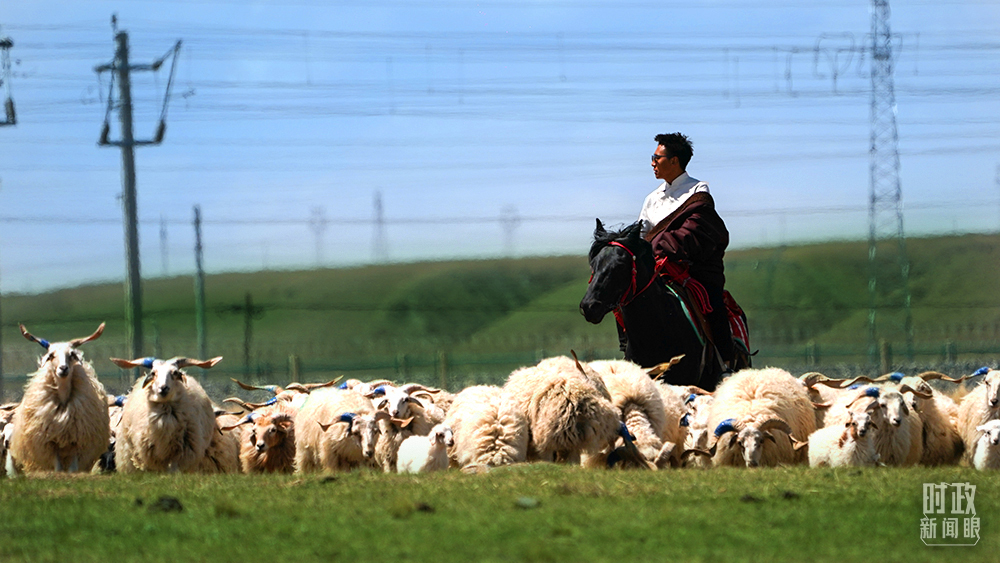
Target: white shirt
667,198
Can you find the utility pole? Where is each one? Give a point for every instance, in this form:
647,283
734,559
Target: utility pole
199,287
10,119
510,220
885,211
5,45
120,70
380,251
164,249
318,224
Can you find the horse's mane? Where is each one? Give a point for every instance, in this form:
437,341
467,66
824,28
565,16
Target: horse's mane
602,239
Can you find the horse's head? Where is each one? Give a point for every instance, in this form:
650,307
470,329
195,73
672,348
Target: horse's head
615,257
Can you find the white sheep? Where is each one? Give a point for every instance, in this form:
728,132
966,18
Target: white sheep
336,430
407,417
653,420
850,445
899,440
168,422
61,423
568,407
986,454
698,407
489,430
749,405
942,444
980,406
423,454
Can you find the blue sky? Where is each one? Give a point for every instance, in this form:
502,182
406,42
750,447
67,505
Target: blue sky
461,113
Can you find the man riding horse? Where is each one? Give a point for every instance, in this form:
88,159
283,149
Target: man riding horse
688,237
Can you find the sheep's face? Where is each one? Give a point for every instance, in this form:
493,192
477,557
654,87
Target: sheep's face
365,428
991,432
269,432
992,383
164,382
396,403
443,436
893,406
8,434
860,424
751,443
63,359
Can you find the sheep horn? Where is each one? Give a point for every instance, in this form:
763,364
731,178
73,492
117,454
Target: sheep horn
728,425
204,364
411,388
248,406
297,387
658,370
777,424
856,380
33,338
97,333
579,366
922,394
311,386
246,420
894,377
272,388
137,363
929,375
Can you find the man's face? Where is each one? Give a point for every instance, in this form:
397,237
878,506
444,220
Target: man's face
666,168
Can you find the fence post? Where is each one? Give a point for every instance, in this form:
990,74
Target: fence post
443,369
885,355
812,353
294,368
950,352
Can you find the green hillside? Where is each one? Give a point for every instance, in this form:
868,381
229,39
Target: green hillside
457,322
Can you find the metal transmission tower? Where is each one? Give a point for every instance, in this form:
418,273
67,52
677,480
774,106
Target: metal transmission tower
120,70
380,249
8,105
887,290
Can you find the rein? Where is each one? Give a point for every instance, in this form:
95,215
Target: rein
632,287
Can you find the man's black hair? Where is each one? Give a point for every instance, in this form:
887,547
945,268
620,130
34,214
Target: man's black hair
676,144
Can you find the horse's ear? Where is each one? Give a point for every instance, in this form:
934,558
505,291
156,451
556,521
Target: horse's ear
599,231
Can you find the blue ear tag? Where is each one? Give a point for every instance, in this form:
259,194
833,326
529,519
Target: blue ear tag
347,417
872,392
148,362
684,419
120,400
690,398
896,377
982,371
342,385
44,343
380,390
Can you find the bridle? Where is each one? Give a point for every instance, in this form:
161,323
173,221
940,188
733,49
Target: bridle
633,285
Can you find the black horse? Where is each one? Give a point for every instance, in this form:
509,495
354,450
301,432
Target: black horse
656,325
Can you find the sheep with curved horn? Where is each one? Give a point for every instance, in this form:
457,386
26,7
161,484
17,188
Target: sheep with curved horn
981,405
168,422
942,444
754,404
62,421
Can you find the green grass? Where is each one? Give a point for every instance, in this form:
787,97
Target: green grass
538,512
486,317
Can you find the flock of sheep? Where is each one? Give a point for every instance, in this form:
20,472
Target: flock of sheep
597,414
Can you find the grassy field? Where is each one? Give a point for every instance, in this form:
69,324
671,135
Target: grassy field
538,512
466,322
